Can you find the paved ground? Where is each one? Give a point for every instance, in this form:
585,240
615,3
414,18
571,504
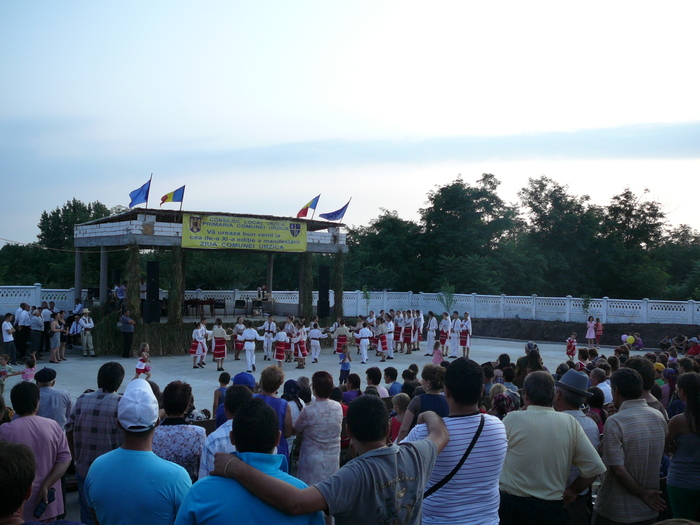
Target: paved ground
80,373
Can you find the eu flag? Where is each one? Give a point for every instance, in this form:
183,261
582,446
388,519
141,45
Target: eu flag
140,195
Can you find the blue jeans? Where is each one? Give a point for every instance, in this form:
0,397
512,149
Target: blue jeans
85,512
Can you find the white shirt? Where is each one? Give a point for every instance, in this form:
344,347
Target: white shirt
467,325
445,325
86,323
607,392
6,332
25,318
316,334
269,327
432,324
455,326
46,315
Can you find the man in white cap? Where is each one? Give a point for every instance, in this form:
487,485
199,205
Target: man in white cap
131,484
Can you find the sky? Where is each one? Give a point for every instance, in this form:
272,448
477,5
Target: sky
257,107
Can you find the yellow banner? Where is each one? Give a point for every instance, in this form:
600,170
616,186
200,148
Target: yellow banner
216,232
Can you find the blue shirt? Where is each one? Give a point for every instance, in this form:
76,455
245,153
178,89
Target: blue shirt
395,388
132,486
220,501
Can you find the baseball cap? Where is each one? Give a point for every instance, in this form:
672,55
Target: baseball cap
138,408
245,379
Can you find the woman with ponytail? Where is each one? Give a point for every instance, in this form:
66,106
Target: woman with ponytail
683,440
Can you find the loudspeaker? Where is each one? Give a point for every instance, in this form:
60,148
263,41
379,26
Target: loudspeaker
152,281
151,312
324,283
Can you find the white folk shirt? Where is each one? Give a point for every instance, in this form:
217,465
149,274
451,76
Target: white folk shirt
432,324
269,327
86,323
445,325
456,326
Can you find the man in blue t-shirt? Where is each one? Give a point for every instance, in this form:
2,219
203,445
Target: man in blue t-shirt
384,484
131,484
216,500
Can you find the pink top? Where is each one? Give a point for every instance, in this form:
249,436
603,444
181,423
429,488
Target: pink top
437,356
28,374
48,442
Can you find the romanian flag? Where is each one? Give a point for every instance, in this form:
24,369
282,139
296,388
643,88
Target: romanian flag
311,205
173,196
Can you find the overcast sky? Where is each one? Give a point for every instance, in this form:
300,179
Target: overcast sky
259,106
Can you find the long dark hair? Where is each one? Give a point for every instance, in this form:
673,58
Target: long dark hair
690,383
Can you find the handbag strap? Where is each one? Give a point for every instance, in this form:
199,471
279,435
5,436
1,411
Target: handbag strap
447,478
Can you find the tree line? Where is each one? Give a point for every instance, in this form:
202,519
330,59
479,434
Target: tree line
550,243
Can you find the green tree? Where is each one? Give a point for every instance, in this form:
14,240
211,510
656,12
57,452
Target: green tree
56,227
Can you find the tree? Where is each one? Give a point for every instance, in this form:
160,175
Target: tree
636,223
464,219
385,255
56,227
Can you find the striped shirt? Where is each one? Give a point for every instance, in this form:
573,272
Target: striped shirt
633,437
471,496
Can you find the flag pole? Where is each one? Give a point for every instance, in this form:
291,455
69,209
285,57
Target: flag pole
149,190
183,197
314,213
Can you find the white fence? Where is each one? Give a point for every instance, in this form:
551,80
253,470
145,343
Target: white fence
485,306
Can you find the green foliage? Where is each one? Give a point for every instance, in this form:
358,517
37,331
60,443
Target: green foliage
56,227
447,296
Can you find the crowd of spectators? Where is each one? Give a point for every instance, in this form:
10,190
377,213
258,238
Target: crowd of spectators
604,440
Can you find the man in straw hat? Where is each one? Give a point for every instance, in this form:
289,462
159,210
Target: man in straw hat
571,393
87,325
131,484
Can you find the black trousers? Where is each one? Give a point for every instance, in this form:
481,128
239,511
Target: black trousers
23,339
128,339
515,510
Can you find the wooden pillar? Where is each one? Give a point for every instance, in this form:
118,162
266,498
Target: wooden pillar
270,271
338,290
133,285
78,275
104,287
176,294
306,284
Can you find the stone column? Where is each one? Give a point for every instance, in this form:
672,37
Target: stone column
78,275
104,288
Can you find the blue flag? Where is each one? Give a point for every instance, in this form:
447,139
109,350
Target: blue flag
335,215
140,195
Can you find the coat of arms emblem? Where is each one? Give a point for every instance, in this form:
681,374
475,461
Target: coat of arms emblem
294,228
195,224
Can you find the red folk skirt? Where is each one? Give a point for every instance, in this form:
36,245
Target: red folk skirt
407,336
383,342
339,342
197,348
280,347
238,345
464,338
220,348
301,349
443,337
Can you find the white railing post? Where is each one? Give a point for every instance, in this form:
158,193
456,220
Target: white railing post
604,314
71,299
691,312
534,306
567,302
358,294
36,294
200,293
645,310
410,300
473,307
384,300
503,306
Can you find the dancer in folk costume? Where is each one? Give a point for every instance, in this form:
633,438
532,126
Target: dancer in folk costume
455,328
220,336
238,343
315,336
269,329
280,341
355,331
341,335
398,331
142,366
380,333
290,330
571,346
444,332
407,334
299,342
432,328
249,336
465,335
198,348
362,338
417,337
389,336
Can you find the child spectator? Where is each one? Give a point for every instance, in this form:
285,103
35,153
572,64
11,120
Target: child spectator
437,353
5,371
219,393
400,404
344,364
571,346
598,331
29,368
142,366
